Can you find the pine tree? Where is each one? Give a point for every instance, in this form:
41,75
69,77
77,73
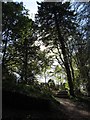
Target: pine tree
55,23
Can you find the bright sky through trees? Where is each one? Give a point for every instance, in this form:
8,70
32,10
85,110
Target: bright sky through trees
30,5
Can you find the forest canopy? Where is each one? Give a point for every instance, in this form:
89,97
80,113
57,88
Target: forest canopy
62,30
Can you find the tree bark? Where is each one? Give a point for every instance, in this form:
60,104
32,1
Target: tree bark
4,53
72,70
66,62
26,59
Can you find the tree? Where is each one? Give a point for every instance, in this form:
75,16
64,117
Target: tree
52,17
19,49
51,84
45,60
21,54
82,43
12,13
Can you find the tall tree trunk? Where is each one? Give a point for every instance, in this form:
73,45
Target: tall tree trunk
72,70
45,74
66,62
45,78
26,59
4,53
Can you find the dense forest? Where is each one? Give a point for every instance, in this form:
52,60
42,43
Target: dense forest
55,49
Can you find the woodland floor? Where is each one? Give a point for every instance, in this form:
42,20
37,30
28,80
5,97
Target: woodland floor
64,109
75,110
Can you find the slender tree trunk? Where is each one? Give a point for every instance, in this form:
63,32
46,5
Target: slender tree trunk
45,74
4,53
66,62
72,70
26,59
45,78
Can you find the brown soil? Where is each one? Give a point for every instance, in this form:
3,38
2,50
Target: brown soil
75,110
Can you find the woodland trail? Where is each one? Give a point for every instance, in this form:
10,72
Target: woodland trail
75,110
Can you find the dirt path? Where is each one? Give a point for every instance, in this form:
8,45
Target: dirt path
75,110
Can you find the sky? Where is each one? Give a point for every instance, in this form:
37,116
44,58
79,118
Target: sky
31,6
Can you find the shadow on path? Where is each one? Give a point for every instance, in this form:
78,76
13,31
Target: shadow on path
75,110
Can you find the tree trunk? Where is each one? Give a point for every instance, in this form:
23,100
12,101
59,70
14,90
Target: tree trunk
26,59
45,74
72,70
66,62
4,53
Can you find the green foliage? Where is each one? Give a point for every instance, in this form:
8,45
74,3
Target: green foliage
51,84
55,30
8,81
68,43
81,48
20,54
